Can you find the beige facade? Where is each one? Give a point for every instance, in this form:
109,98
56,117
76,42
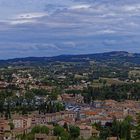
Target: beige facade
22,122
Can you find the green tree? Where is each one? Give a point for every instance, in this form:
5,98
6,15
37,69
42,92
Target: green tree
126,127
36,129
40,129
105,132
53,96
30,136
58,130
115,128
65,135
74,132
44,130
137,133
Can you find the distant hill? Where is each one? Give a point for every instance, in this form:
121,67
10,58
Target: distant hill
112,57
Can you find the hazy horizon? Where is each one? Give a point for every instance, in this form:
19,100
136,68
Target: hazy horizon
36,28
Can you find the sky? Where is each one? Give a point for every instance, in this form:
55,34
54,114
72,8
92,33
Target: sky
55,27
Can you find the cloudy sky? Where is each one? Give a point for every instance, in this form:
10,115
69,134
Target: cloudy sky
54,27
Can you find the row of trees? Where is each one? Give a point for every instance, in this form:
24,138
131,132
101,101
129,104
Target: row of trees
119,129
51,107
61,132
10,103
123,130
115,92
31,136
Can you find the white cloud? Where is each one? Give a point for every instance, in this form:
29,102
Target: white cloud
131,8
81,6
26,18
107,31
31,15
23,21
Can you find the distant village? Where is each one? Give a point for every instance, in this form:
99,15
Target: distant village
32,97
75,114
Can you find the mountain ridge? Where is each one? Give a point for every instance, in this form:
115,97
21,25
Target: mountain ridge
119,56
68,55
